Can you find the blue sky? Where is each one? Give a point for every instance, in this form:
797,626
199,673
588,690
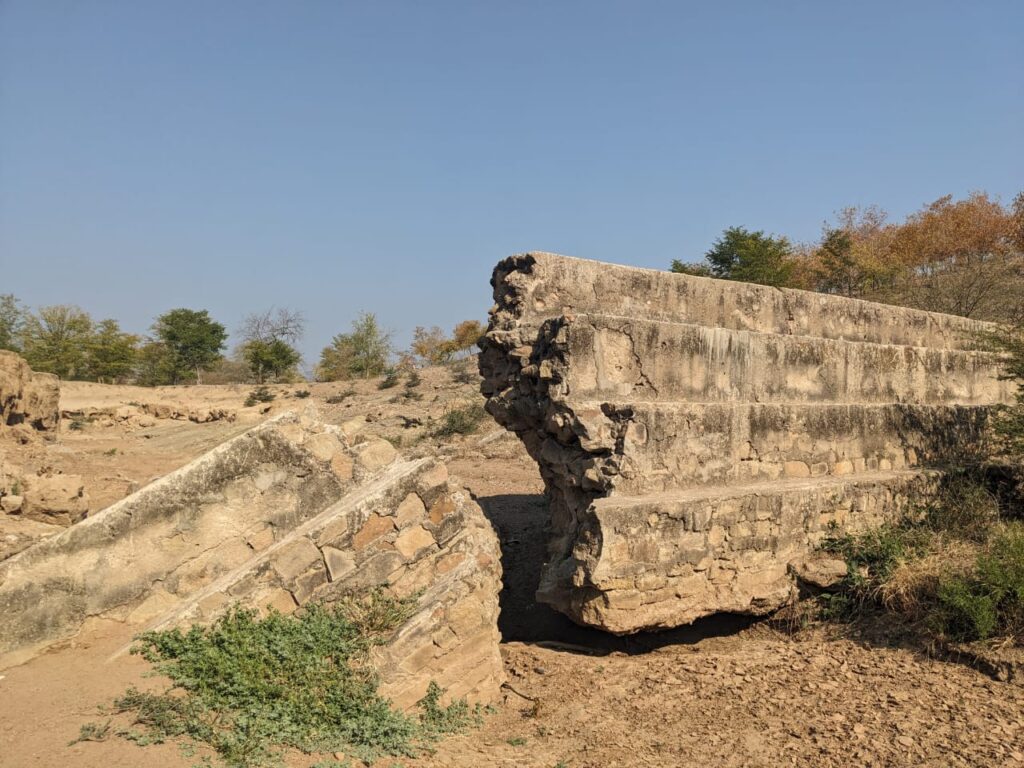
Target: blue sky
381,155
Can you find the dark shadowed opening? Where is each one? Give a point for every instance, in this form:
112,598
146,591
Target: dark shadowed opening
520,521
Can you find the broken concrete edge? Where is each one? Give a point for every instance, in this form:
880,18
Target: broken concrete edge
182,530
531,282
98,527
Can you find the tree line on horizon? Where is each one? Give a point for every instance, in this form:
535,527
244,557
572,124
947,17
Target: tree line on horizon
961,257
187,346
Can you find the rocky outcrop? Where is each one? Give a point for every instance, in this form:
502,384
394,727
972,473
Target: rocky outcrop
288,512
27,397
697,436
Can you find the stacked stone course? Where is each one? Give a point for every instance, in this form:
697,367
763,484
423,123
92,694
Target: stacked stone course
699,436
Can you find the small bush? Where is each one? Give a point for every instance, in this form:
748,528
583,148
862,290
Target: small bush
873,556
390,379
340,397
259,395
461,421
92,732
955,569
414,379
250,687
964,508
302,394
990,599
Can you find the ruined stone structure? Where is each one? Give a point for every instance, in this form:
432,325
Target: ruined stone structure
288,512
698,437
27,397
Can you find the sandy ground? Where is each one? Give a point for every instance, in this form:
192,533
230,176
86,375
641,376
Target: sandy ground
724,692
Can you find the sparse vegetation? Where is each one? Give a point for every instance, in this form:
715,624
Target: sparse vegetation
465,374
1009,423
362,353
955,571
461,420
301,394
259,395
433,346
391,379
92,732
249,688
340,397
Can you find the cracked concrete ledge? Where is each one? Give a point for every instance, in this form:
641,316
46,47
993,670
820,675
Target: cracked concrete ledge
625,383
285,513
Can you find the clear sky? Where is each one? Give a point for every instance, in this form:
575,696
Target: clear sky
335,156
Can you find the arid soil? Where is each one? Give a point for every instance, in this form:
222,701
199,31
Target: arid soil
724,692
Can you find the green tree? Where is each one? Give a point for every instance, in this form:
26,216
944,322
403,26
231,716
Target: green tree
836,267
12,321
192,340
431,345
752,257
686,268
153,365
111,352
268,342
56,339
466,334
274,358
362,353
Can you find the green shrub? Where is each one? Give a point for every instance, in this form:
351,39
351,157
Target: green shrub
964,611
250,687
875,554
302,394
414,379
463,420
990,600
259,395
390,379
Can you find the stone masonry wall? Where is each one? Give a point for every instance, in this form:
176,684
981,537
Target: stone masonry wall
752,412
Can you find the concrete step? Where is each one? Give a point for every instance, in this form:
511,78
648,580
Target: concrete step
666,446
616,358
661,560
545,285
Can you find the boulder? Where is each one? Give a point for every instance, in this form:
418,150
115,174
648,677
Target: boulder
58,499
27,397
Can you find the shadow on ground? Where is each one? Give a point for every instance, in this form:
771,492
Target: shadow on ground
520,521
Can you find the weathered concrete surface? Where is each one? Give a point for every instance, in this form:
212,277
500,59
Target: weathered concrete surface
412,531
288,512
178,532
27,397
754,413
